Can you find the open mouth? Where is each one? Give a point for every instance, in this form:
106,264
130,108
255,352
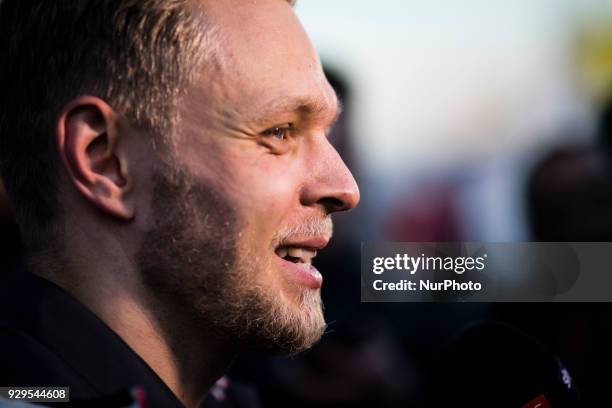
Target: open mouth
296,254
297,258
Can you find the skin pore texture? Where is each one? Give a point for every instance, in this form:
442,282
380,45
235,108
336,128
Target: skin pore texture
195,251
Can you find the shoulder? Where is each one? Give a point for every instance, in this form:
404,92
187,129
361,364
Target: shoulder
24,361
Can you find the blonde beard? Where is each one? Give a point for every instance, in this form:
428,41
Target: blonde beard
193,260
275,323
266,316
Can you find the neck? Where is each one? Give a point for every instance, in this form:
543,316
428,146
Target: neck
182,352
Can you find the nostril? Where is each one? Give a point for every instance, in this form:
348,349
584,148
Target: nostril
332,204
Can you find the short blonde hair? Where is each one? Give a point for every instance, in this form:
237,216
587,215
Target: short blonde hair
135,54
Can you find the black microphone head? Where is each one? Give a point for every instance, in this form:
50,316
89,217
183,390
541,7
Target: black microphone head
495,365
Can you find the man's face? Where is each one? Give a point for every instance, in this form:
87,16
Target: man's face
245,201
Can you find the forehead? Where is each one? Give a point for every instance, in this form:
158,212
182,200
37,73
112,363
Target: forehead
266,57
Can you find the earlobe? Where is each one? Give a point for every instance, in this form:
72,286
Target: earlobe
90,146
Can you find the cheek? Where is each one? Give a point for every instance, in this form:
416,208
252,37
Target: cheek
268,192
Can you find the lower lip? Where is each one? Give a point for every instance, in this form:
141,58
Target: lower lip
305,274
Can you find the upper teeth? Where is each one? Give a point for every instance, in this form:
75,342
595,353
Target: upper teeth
303,254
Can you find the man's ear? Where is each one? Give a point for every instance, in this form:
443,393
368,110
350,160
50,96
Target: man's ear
89,144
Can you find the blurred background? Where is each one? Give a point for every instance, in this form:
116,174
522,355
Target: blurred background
465,120
469,93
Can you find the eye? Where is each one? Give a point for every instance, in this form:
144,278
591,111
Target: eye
279,133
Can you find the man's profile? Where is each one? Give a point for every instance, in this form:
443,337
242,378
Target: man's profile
172,180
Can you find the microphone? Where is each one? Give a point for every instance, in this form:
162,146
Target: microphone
493,364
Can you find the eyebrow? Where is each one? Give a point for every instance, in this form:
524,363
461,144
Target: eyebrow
304,106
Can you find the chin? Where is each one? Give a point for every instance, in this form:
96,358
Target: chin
291,322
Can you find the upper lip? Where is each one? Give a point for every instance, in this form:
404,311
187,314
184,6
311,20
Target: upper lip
315,243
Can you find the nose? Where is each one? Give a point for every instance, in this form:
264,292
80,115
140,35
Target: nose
331,184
